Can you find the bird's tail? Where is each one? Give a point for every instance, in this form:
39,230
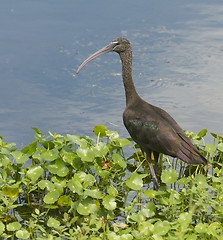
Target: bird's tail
189,153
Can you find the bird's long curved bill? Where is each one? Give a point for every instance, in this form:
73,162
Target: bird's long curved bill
105,49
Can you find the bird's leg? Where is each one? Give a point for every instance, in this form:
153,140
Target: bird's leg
156,158
153,173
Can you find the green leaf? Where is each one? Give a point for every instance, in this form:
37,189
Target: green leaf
100,149
112,191
2,227
202,133
94,193
53,223
220,147
169,176
161,228
75,185
58,167
123,142
118,160
19,157
9,191
86,154
201,228
22,233
4,160
150,193
14,226
201,181
77,140
86,206
134,181
73,160
113,135
183,181
50,155
30,149
51,197
100,131
46,184
126,236
149,209
210,148
109,202
35,172
89,180
185,218
146,228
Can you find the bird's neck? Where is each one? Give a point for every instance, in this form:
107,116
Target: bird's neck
130,91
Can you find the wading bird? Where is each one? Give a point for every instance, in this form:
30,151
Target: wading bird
151,127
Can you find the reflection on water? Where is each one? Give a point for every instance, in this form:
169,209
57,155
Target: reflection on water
177,65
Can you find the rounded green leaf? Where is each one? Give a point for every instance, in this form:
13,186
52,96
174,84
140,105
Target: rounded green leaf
100,149
113,236
35,172
109,202
77,140
64,200
9,191
4,160
51,197
201,228
100,130
146,228
169,176
149,209
161,228
89,180
185,218
126,236
112,191
52,222
14,226
150,193
201,181
22,233
134,181
113,135
86,206
122,142
19,157
220,147
2,227
86,154
46,184
183,181
75,186
210,148
94,193
58,167
118,160
50,155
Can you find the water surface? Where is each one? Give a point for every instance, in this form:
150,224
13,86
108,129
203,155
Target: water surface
177,64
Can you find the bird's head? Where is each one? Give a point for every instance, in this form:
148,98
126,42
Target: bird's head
118,45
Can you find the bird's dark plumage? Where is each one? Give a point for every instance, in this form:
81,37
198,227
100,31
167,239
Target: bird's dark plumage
149,126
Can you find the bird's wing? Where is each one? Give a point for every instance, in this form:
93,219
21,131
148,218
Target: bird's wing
156,130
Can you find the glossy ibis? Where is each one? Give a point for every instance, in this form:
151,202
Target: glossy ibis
149,126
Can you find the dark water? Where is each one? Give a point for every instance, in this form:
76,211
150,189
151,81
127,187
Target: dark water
177,65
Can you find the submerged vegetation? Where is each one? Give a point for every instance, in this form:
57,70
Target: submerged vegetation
71,187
